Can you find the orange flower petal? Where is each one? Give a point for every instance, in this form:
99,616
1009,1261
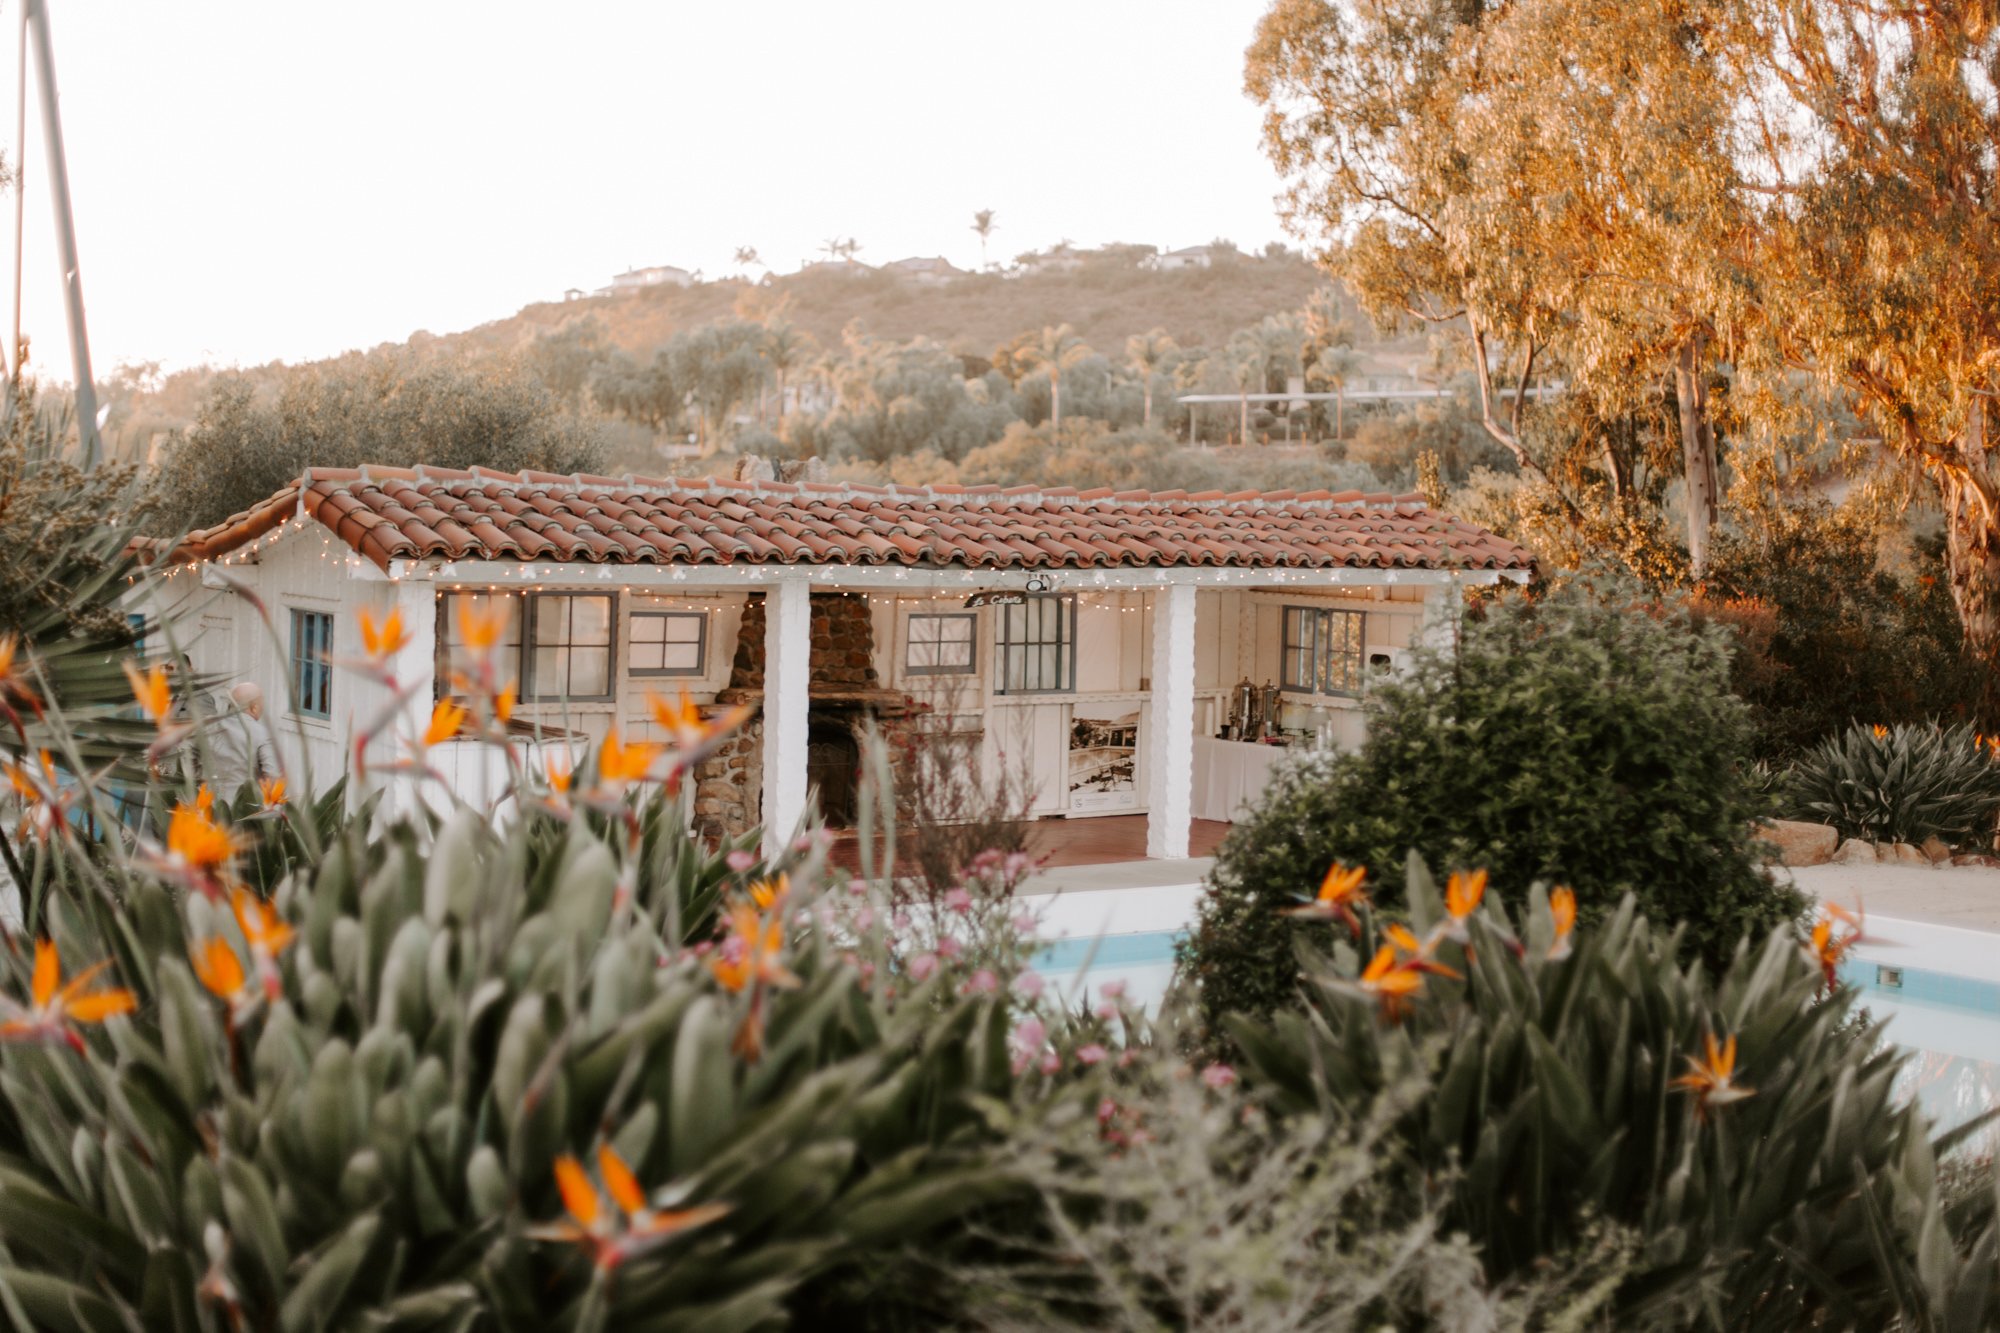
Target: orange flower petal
219,968
102,1005
579,1196
48,971
619,1180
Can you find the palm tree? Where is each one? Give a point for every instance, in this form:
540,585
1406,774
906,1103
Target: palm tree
982,222
847,249
831,248
1056,348
746,255
785,344
1336,366
1249,363
1150,353
1284,340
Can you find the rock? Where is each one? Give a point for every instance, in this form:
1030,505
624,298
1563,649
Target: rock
1933,847
1800,843
1902,853
1855,852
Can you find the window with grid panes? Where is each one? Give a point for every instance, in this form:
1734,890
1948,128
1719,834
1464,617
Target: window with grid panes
667,643
1035,640
1322,651
312,663
940,645
454,660
569,646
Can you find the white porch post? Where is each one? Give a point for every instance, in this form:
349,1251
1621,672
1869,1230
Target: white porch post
787,663
1170,761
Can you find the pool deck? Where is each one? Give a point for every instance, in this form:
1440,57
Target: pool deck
1962,897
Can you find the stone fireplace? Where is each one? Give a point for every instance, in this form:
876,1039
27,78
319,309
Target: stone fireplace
845,694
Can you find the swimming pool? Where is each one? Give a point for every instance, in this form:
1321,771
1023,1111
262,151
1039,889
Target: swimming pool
1948,1021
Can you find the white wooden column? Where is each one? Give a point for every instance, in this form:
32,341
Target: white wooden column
787,674
1170,756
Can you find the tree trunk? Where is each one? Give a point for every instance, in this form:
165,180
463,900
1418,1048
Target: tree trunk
1148,422
1340,411
1697,450
1971,493
781,395
1055,406
1243,426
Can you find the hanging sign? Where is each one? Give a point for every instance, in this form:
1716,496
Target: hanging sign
996,599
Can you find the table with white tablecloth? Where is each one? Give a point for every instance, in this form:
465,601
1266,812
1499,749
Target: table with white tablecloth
1229,775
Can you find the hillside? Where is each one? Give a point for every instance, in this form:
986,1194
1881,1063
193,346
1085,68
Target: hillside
1107,301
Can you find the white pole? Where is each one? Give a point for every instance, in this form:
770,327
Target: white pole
35,13
1170,751
787,703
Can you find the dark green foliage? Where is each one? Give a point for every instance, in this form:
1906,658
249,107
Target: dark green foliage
1586,738
385,408
1551,1107
1901,784
1827,637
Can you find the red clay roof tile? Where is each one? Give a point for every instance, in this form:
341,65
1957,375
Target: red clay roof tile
408,513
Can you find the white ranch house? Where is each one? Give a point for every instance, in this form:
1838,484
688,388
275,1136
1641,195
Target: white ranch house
1094,638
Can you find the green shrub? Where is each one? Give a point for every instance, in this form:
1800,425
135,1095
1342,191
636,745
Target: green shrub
1798,1193
1580,738
1903,783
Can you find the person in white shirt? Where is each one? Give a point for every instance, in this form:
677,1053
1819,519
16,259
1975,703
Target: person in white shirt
241,745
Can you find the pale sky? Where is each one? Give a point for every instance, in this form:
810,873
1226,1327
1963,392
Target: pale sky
259,179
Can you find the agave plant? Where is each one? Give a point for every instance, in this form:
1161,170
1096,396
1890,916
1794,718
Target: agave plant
1905,783
1748,1134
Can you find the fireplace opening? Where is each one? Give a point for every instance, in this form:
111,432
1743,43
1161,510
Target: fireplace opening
833,766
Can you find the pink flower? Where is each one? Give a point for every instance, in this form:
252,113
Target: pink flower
1107,1111
899,921
923,967
1029,984
1219,1076
1112,990
1017,865
958,900
949,947
1051,1062
858,887
1127,1057
1091,1054
740,861
1106,1011
1027,923
864,917
1027,1041
982,982
802,843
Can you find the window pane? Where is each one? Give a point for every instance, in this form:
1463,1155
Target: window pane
923,655
646,656
957,654
955,629
590,620
684,658
590,670
546,675
649,629
682,628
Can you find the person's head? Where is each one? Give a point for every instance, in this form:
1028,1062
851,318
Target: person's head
249,697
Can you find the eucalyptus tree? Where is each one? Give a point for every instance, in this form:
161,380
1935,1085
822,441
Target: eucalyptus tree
1149,354
1875,133
1549,177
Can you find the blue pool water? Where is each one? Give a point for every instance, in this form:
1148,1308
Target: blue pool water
1950,1024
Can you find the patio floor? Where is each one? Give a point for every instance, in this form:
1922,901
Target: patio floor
1105,840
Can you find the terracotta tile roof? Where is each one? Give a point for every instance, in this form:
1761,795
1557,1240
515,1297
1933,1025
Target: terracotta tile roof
413,513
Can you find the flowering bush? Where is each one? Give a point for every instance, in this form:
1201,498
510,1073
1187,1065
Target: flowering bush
1746,1133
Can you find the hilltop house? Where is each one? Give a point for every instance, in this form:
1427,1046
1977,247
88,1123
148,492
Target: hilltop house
1192,256
659,275
1095,638
927,272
